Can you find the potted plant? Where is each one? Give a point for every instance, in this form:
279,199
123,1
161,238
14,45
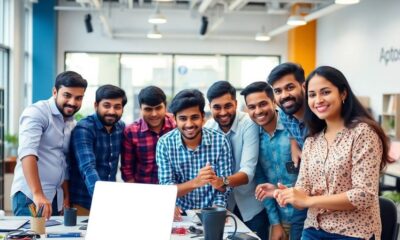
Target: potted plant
11,146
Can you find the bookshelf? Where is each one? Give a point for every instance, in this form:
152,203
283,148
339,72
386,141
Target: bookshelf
391,115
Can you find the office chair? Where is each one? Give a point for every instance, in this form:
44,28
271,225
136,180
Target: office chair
390,227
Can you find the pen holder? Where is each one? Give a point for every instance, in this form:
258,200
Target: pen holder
38,225
70,216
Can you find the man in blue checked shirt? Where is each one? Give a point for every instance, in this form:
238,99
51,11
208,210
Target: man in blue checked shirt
274,162
287,80
191,157
96,145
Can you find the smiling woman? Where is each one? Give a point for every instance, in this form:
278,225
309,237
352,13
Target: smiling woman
341,162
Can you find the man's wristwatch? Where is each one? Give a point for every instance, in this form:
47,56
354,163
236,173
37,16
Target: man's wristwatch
225,180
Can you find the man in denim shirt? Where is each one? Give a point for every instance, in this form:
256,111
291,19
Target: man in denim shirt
274,164
96,145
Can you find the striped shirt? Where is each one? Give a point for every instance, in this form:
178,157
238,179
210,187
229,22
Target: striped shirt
178,164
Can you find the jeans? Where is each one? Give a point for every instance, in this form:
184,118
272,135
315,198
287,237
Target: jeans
314,234
297,224
259,223
20,203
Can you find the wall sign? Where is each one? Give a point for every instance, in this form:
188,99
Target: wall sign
390,55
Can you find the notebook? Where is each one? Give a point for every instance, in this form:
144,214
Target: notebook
131,211
8,225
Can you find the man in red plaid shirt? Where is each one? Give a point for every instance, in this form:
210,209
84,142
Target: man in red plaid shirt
138,162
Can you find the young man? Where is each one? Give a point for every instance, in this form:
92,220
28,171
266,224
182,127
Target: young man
287,80
96,144
44,133
242,134
190,156
138,163
274,164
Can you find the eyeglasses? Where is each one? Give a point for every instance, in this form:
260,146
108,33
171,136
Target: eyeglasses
22,235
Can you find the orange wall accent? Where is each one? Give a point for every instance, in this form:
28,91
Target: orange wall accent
302,46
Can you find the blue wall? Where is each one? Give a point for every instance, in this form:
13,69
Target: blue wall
44,49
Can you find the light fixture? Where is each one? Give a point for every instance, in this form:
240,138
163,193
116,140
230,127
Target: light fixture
347,2
296,20
157,17
262,36
154,33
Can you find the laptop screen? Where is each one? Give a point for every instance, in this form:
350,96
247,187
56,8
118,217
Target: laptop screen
131,211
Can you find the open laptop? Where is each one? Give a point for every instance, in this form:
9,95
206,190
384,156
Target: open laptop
131,211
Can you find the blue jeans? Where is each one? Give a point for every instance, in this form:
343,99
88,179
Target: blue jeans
20,203
297,224
259,223
314,234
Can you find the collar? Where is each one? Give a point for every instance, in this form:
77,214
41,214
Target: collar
55,111
279,125
167,124
205,138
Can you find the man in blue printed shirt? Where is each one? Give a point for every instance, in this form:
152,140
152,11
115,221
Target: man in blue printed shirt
242,133
274,164
96,145
287,81
191,156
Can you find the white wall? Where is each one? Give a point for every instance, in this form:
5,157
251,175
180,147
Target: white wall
72,35
351,40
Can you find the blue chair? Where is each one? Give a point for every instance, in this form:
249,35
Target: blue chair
390,227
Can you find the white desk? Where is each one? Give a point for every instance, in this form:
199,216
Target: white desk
58,228
188,221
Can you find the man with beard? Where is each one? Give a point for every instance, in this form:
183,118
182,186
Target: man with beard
96,145
40,176
242,134
287,80
138,162
273,161
190,155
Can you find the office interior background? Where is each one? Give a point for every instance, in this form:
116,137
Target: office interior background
202,41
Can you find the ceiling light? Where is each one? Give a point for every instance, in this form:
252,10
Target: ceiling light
262,36
154,33
296,20
157,17
348,2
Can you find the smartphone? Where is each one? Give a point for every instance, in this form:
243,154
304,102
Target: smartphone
291,169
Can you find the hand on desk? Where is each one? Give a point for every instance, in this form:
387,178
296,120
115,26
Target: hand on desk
177,214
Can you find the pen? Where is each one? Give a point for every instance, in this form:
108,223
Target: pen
64,235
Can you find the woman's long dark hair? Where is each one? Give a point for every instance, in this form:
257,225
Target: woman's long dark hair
352,111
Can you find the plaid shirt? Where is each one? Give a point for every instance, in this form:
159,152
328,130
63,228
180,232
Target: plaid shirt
138,160
178,164
297,129
94,157
273,155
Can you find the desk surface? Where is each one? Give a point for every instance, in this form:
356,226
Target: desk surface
187,221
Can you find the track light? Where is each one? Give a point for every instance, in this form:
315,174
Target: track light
348,2
262,36
88,23
154,33
157,17
296,20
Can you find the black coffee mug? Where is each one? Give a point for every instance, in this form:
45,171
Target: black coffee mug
70,216
213,219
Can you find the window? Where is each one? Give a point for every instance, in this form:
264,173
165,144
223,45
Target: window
97,69
139,71
172,73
